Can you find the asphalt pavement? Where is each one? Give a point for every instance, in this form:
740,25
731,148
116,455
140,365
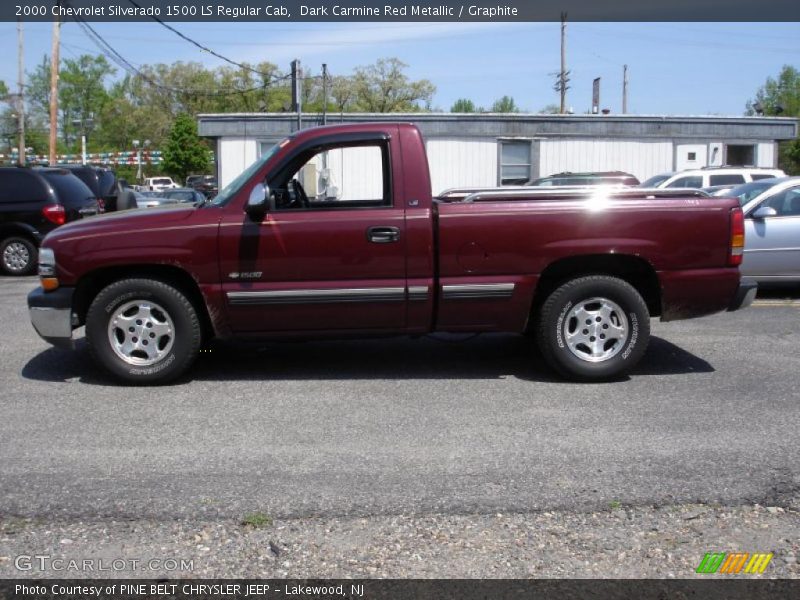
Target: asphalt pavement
402,426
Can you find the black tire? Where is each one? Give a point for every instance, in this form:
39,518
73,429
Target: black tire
171,311
611,357
18,256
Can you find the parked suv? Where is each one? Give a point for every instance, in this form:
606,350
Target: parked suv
205,184
102,181
32,203
711,176
599,178
156,184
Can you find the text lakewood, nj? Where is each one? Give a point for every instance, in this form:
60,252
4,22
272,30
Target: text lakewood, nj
274,11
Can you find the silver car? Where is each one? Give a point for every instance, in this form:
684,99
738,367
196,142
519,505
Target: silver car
772,229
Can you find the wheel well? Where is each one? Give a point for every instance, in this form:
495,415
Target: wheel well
92,283
12,230
636,271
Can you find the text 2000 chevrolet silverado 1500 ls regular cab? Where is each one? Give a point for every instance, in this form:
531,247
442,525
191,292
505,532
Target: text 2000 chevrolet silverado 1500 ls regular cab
333,232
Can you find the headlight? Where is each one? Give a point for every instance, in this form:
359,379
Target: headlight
47,269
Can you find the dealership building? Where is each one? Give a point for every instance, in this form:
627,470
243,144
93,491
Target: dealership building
485,149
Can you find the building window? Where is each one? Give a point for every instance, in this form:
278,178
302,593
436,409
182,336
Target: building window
515,162
692,156
741,155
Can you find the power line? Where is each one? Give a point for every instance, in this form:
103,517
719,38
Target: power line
121,61
243,66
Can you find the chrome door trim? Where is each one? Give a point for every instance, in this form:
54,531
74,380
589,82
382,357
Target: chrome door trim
472,291
418,292
378,294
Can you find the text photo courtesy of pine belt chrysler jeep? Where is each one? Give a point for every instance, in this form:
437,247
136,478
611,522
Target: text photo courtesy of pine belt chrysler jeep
334,232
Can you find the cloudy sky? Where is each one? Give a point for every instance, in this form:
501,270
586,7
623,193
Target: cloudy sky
674,68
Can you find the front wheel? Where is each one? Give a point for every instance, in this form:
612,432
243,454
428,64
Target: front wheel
143,331
593,328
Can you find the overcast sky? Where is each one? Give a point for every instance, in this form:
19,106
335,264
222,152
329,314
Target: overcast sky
674,68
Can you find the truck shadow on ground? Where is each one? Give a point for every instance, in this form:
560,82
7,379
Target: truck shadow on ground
490,356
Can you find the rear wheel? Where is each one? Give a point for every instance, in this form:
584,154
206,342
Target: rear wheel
143,331
593,328
18,255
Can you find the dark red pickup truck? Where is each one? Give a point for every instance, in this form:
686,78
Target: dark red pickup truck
334,232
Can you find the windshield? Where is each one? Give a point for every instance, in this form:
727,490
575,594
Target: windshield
655,180
226,193
162,181
748,191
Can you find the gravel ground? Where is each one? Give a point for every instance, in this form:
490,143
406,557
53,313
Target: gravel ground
621,542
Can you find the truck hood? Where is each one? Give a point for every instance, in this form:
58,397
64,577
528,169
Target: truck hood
121,223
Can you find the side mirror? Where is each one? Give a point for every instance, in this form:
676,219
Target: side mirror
764,212
260,200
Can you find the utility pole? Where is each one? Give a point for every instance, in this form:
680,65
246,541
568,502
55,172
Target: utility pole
562,80
324,94
21,95
624,89
54,64
297,96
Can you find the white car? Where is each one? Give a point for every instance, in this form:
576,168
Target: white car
156,184
711,176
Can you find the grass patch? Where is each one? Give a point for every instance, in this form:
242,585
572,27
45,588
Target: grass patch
257,520
615,504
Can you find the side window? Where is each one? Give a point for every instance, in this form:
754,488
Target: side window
757,176
515,162
785,203
339,177
726,179
19,185
695,181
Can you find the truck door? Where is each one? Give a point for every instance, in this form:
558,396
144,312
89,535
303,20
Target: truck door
330,254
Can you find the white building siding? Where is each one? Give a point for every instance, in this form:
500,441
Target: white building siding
642,159
765,154
456,162
691,156
235,155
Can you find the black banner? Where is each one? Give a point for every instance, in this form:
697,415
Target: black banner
400,11
395,589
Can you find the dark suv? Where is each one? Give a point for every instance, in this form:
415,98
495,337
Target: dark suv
32,203
205,184
102,181
597,178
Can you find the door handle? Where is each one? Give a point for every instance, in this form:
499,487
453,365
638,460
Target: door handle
383,235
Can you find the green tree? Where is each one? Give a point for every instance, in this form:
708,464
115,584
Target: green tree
781,97
184,152
342,92
384,87
464,105
550,109
82,94
505,104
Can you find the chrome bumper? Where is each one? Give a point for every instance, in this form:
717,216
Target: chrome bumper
51,315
